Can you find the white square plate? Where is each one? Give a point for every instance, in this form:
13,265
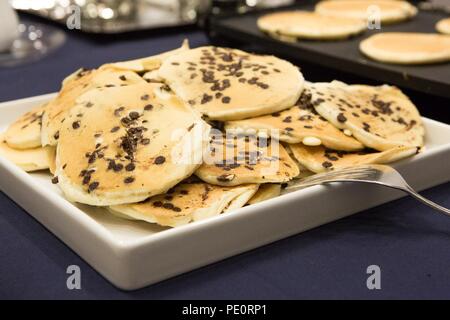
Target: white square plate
135,254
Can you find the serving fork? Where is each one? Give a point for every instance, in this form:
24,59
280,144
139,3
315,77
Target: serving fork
374,173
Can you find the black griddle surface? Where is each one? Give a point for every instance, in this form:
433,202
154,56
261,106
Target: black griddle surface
344,55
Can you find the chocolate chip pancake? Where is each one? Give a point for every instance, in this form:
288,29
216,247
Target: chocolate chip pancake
25,132
187,202
407,47
387,11
27,159
299,124
320,159
124,144
229,84
239,159
379,117
309,25
73,87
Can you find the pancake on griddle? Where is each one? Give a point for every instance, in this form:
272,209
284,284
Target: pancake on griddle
229,84
237,159
73,87
387,11
25,132
300,123
124,144
407,47
379,117
443,26
319,159
309,25
187,202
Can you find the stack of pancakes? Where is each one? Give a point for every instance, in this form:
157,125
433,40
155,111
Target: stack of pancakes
193,133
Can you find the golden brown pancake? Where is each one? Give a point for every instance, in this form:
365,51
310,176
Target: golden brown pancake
387,11
229,84
185,203
25,132
320,159
299,124
241,159
309,25
443,26
27,159
124,144
75,86
265,192
379,117
407,47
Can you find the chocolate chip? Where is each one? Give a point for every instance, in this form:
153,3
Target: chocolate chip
288,119
130,167
148,107
226,177
145,141
168,205
133,115
157,204
123,78
327,164
56,135
206,98
176,209
341,118
226,100
76,124
88,104
117,167
92,158
118,110
86,179
145,97
55,180
160,160
128,180
125,121
115,129
93,186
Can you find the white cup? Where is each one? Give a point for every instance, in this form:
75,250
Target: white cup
9,23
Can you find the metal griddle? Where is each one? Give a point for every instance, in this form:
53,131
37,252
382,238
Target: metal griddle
344,55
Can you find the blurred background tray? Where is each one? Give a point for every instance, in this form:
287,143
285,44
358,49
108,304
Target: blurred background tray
433,79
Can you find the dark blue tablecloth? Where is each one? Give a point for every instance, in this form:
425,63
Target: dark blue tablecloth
409,242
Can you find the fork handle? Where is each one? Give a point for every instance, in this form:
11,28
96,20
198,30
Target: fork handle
429,203
406,189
